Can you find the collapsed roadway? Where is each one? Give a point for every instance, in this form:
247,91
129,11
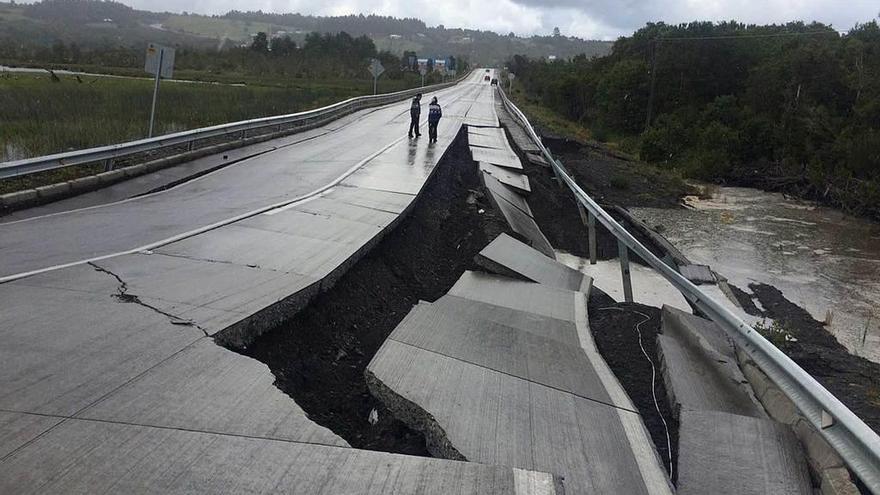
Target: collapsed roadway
112,379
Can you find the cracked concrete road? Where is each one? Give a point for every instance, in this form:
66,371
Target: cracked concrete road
276,177
109,378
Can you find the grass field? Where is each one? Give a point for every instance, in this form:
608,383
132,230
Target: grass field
38,116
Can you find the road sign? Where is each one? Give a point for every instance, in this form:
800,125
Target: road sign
376,68
511,76
423,71
160,62
158,55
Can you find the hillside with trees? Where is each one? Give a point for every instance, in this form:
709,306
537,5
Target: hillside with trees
30,32
793,107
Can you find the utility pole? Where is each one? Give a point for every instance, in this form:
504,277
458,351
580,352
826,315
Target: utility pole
650,110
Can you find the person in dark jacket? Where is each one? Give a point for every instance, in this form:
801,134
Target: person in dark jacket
434,114
415,110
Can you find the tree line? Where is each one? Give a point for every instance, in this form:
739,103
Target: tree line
322,56
792,107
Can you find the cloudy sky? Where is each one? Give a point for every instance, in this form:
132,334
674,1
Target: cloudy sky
597,19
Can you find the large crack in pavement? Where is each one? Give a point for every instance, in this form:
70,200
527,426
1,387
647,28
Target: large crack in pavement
123,296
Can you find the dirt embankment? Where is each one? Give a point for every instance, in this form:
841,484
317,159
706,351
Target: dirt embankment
852,379
319,356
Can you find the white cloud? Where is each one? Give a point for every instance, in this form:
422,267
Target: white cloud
597,19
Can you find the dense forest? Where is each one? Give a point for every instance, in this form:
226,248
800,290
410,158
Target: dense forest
792,107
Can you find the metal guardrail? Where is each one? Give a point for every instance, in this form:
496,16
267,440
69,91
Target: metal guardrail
235,130
856,443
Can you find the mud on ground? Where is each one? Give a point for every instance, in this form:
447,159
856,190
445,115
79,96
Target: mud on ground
319,356
613,326
852,379
557,214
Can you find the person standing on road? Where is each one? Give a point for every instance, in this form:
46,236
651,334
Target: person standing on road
415,110
434,114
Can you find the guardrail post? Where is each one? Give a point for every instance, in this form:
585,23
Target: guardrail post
589,222
555,172
623,253
591,233
108,165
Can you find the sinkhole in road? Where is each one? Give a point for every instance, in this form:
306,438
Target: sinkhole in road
319,355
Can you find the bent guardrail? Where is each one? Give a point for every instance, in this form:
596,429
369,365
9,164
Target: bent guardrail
234,130
856,443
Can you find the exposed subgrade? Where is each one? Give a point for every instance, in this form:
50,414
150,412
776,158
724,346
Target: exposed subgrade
319,356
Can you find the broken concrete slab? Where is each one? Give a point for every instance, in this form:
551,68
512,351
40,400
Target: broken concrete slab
698,274
551,328
261,249
724,453
523,224
79,347
475,413
516,294
512,179
502,348
208,388
499,191
394,178
494,132
698,377
368,198
497,142
507,256
221,286
96,457
687,327
501,158
703,380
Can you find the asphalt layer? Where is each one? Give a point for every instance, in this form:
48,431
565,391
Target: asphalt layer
319,356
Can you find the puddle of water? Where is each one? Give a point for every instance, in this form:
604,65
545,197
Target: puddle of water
820,258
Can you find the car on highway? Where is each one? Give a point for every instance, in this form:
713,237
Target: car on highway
494,82
486,78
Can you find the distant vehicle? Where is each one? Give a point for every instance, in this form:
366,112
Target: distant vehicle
494,82
487,70
486,78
